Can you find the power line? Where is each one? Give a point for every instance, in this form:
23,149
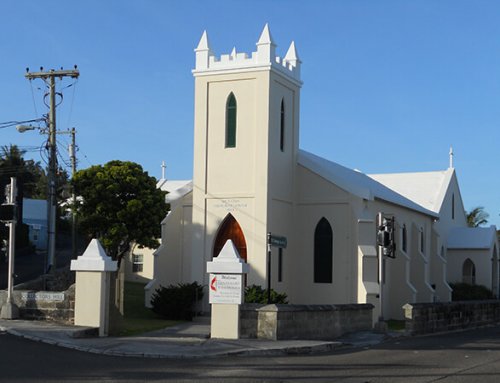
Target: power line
8,124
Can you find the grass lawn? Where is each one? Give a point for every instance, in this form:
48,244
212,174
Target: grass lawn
396,325
138,319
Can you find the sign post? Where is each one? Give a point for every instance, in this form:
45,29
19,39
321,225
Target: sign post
276,241
226,292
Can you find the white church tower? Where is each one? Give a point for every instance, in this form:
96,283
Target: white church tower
246,141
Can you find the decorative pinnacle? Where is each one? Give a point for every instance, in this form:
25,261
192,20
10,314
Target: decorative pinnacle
291,54
451,157
163,168
265,37
203,45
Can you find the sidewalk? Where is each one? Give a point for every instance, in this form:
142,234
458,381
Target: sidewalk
186,340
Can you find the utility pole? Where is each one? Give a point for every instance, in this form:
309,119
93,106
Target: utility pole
72,156
49,78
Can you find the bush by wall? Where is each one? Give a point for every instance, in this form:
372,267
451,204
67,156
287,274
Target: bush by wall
177,302
466,292
256,294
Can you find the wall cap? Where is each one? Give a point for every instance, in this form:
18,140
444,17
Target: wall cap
94,258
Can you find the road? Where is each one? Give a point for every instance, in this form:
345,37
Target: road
471,356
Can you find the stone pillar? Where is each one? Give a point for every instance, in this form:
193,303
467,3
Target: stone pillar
93,270
226,292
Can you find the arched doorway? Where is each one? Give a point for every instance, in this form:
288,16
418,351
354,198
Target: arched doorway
230,229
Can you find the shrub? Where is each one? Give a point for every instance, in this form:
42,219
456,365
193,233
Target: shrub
256,294
176,302
466,292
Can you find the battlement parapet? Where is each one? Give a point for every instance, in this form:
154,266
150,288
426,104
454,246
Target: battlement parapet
265,57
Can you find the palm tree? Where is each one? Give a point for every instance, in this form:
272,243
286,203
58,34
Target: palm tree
477,217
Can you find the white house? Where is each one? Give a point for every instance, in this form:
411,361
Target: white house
250,179
35,216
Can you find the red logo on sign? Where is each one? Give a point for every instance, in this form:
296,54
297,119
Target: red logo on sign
213,284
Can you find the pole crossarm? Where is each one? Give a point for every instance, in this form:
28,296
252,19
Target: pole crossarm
73,73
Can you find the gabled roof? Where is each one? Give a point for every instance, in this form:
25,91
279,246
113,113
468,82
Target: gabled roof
357,183
175,188
427,189
472,237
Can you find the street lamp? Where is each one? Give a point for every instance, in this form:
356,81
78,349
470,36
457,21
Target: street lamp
24,128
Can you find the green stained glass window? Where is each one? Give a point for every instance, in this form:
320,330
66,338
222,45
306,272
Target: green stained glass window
231,121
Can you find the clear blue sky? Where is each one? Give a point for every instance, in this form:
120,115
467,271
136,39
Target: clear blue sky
388,85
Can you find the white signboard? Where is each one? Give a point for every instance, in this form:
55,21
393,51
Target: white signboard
226,289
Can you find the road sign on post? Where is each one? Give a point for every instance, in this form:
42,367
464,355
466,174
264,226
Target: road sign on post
277,241
272,241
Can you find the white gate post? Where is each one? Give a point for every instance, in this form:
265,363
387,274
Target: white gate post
226,292
93,270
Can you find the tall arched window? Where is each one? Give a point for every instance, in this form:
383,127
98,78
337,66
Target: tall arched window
469,272
282,126
231,121
404,239
323,252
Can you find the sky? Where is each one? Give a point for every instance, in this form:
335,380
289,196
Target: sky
388,86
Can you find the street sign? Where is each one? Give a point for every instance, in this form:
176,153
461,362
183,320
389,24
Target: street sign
277,241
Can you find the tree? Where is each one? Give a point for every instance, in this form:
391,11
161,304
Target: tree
31,176
12,164
120,206
477,217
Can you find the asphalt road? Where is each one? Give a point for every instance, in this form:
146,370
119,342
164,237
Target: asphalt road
471,356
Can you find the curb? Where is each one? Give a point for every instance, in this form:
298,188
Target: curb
293,350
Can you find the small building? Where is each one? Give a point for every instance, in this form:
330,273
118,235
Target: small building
473,254
35,216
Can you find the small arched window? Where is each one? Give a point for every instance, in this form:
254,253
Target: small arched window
231,121
404,239
469,272
323,252
282,126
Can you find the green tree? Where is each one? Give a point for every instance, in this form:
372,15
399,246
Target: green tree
477,217
120,206
31,176
12,164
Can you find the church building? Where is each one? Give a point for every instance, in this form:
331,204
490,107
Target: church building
251,178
